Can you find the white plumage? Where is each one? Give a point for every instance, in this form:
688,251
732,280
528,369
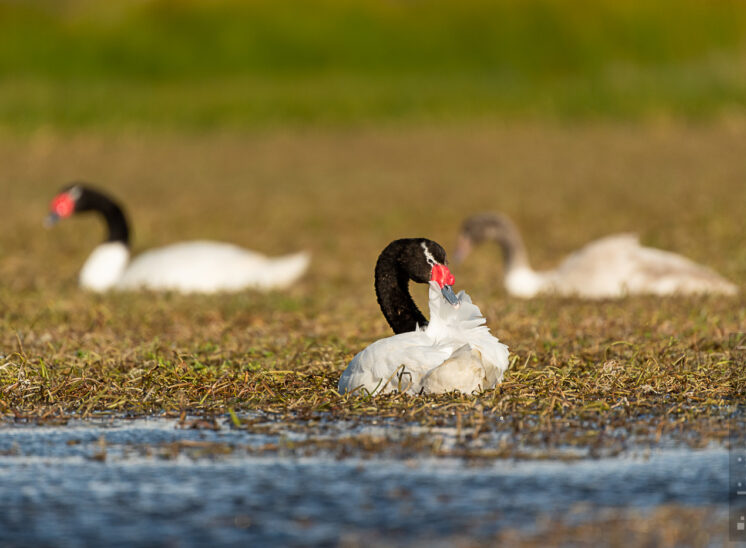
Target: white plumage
609,267
616,266
456,351
104,267
190,267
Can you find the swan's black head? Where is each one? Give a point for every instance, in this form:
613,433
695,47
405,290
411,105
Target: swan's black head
480,228
417,256
424,261
78,198
417,259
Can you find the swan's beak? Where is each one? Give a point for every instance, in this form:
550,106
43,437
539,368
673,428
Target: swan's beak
450,296
51,220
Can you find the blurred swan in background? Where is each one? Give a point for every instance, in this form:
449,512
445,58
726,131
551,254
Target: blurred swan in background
453,351
189,267
609,267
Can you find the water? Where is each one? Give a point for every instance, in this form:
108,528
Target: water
146,482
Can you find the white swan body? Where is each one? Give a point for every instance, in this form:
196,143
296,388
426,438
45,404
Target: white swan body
616,266
189,267
609,267
456,351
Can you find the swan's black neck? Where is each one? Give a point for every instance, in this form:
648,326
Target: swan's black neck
401,261
116,222
392,292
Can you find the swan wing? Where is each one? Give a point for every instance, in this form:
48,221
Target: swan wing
396,363
205,267
597,270
664,273
618,265
464,371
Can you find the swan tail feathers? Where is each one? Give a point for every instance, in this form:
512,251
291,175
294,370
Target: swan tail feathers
284,271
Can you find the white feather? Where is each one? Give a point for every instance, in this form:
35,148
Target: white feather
456,351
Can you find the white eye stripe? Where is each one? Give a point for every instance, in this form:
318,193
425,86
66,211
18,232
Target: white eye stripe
75,192
428,256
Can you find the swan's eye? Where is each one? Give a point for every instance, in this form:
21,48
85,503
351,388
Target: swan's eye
63,205
442,275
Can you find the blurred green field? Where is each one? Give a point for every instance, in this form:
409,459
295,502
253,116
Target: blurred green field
199,64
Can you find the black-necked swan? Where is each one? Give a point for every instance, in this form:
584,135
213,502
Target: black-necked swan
610,267
189,267
453,351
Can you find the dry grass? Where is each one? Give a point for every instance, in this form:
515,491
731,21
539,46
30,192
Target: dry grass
667,526
580,370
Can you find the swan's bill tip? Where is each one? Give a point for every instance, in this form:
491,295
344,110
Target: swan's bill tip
450,296
51,220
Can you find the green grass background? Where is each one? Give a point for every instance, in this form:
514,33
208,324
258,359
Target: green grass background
204,64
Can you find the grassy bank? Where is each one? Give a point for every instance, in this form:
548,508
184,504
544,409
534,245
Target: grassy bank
647,366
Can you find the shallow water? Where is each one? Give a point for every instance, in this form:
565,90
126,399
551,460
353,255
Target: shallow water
146,482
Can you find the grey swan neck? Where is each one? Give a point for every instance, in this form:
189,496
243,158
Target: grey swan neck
513,249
